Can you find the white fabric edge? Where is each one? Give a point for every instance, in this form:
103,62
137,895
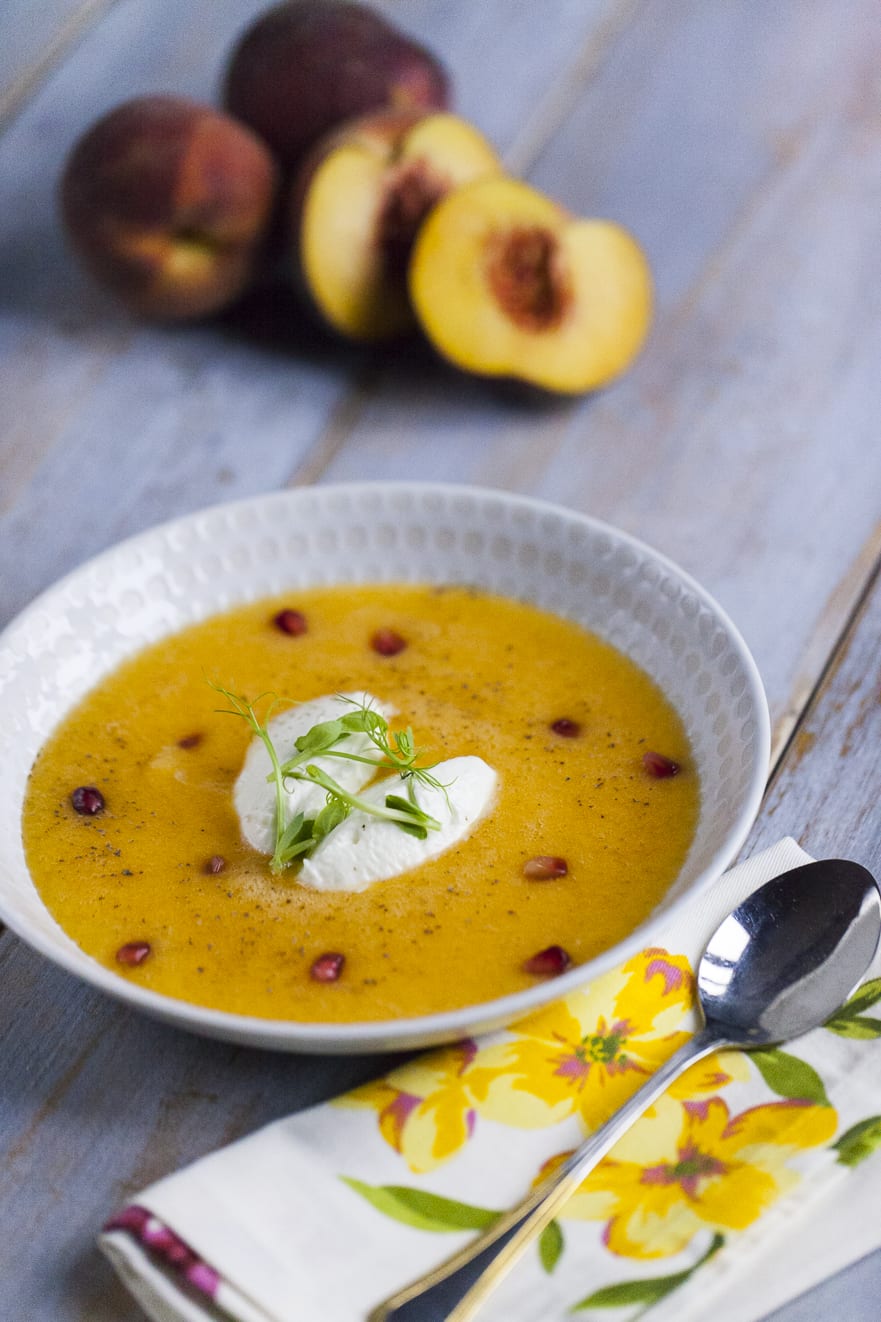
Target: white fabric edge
157,1294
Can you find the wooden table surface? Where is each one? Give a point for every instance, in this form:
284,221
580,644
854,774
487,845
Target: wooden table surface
740,140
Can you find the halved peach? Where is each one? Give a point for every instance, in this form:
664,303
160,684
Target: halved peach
506,283
358,203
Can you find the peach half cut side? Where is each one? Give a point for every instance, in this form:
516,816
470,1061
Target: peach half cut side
357,209
506,283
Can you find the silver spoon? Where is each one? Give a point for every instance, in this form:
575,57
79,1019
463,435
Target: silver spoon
780,964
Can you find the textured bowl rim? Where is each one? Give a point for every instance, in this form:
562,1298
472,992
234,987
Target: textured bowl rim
444,1026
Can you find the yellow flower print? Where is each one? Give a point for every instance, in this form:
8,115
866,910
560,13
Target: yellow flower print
426,1112
582,1056
585,1055
711,1074
693,1166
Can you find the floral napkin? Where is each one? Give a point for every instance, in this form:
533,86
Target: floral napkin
324,1214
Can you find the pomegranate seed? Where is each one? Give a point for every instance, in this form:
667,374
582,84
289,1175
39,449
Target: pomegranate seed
548,963
134,952
387,643
327,967
567,728
543,867
190,740
215,864
87,800
659,766
291,622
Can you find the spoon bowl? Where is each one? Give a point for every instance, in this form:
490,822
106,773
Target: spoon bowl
790,954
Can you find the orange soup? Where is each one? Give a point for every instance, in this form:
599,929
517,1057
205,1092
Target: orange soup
153,878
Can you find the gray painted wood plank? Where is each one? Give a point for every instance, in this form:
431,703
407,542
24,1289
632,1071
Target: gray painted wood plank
740,144
34,38
126,424
827,792
512,56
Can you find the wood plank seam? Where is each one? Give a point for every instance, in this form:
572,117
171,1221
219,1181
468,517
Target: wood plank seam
832,663
852,592
557,104
15,98
780,175
339,427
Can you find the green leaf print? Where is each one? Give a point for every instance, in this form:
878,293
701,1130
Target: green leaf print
861,1028
789,1077
859,1142
431,1211
550,1246
647,1291
423,1210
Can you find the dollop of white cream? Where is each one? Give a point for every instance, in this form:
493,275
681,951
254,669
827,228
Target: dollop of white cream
254,794
365,849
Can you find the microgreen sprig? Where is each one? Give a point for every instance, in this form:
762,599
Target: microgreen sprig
405,813
397,747
303,834
240,706
296,839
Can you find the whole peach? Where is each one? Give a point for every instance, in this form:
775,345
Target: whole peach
307,65
167,203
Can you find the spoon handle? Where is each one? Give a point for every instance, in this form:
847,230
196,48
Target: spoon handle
528,1218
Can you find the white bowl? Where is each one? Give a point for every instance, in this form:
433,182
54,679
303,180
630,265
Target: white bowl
181,572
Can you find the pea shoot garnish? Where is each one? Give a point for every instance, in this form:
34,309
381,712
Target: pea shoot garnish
297,838
397,747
